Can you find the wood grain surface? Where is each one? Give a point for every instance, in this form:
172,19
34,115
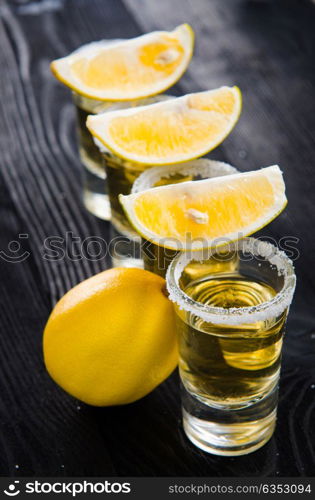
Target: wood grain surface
266,48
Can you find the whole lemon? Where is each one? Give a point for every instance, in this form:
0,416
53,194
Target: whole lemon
111,339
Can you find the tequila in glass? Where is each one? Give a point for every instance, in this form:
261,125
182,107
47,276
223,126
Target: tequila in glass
122,173
231,310
157,258
95,194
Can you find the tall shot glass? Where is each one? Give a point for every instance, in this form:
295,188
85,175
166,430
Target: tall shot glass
231,308
104,173
95,193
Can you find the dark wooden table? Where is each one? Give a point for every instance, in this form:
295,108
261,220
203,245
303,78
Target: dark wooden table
265,47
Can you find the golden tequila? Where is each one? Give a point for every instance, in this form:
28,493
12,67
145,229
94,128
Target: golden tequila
157,258
100,164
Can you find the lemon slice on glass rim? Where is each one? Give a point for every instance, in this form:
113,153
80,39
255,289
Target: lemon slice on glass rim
127,69
209,212
172,131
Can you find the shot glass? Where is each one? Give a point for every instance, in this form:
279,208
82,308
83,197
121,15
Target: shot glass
95,195
95,160
231,308
156,258
121,174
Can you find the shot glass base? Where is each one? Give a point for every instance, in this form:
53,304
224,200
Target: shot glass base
228,440
229,432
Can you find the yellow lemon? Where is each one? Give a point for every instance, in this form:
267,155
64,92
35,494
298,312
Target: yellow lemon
205,213
171,131
127,69
111,339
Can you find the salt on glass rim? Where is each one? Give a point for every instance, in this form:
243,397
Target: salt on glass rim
203,166
235,315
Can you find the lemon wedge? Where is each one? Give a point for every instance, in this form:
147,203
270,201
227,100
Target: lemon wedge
172,131
209,212
127,69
